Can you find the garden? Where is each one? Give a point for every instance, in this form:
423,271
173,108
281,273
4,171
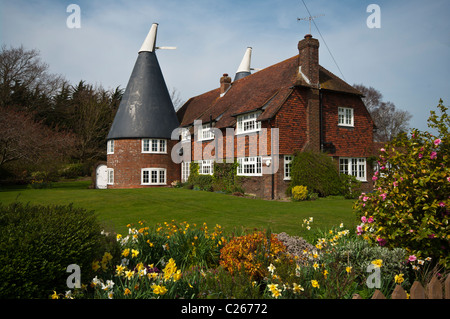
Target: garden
398,234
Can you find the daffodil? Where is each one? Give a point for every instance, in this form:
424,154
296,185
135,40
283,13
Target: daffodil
271,268
378,263
348,269
55,295
297,288
129,274
134,253
315,283
399,279
126,252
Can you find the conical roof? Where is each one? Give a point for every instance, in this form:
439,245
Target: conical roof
244,67
146,109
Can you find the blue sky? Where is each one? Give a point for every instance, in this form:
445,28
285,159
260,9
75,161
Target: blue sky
407,59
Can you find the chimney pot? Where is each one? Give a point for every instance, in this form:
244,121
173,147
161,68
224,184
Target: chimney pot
225,83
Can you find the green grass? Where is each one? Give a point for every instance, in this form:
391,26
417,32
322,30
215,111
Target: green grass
117,208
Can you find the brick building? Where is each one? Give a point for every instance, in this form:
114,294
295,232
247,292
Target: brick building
259,119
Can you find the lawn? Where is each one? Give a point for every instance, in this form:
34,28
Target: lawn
117,208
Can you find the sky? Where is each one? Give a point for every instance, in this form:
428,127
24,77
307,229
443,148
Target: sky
406,58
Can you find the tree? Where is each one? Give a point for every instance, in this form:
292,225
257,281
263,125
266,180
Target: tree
30,143
24,78
388,119
91,113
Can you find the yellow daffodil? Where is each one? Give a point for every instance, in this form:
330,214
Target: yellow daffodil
95,265
315,283
55,295
399,279
134,253
348,269
129,274
378,263
127,292
126,252
120,269
297,288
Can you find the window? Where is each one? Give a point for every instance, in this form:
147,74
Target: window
287,166
206,133
247,123
153,176
110,177
206,167
353,166
345,115
185,171
110,147
185,134
154,146
249,166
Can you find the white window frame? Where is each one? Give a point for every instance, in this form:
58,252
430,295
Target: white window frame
110,176
356,166
153,176
346,117
185,134
185,171
154,146
206,132
249,166
110,147
288,167
206,167
247,123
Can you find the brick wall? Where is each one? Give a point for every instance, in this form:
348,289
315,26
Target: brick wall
128,160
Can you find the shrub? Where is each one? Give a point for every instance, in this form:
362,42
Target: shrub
252,252
225,178
37,243
409,208
317,172
73,170
351,187
299,193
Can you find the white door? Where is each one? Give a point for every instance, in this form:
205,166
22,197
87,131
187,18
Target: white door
101,177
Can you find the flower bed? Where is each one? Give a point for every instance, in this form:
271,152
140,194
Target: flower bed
173,260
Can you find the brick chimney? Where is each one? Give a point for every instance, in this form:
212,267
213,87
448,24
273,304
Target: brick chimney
225,83
308,60
308,75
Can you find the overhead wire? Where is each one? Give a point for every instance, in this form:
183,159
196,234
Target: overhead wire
329,51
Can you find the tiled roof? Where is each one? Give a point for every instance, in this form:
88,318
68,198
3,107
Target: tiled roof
266,89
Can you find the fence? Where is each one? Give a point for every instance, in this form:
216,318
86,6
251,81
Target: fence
434,290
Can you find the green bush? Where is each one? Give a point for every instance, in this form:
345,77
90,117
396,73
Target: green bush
409,208
351,187
317,172
38,243
73,170
225,178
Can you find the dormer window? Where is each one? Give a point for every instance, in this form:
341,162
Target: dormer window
247,123
206,133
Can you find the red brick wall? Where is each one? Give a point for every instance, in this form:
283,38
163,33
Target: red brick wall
354,141
128,160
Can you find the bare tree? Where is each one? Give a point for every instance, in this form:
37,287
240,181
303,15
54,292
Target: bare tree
176,99
30,142
388,119
23,68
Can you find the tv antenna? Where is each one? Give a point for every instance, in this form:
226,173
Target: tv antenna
310,18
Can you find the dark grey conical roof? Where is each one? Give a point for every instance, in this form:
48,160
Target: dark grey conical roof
146,109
